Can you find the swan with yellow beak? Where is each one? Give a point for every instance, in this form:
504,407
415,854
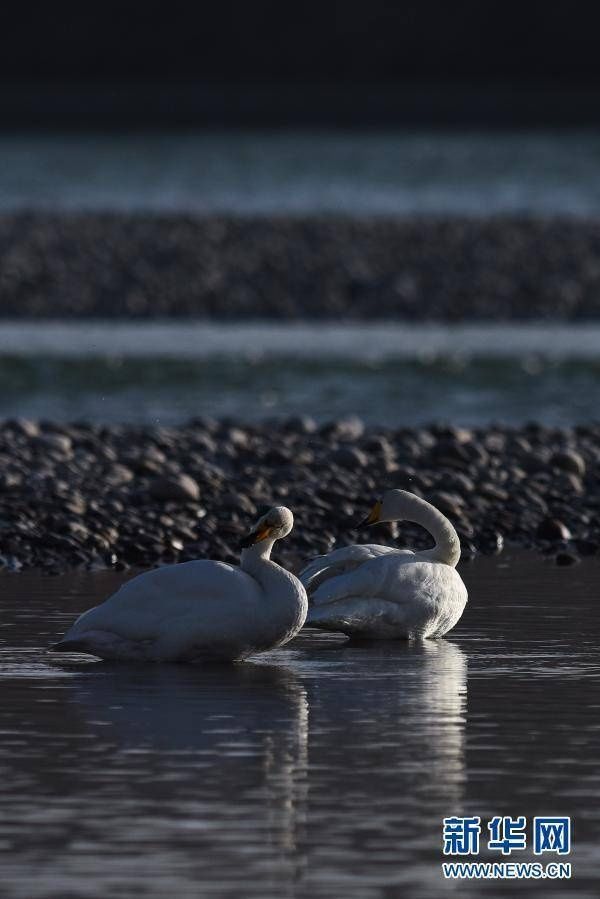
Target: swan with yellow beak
381,592
199,611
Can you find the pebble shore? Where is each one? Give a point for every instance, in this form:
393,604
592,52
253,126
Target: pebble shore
232,268
95,497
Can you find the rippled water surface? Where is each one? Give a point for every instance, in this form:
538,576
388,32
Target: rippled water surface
322,769
305,171
400,373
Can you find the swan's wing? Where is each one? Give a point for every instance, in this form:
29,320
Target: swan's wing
386,596
205,590
358,615
392,577
341,561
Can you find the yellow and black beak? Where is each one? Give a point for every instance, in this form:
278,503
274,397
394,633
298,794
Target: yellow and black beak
255,536
373,516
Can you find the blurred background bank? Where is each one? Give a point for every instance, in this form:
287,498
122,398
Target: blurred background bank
250,210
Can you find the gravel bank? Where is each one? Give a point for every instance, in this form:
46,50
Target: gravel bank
92,496
103,265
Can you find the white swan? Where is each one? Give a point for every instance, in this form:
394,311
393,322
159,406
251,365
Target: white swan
382,592
199,610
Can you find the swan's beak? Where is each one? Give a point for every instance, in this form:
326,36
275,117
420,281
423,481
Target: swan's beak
373,516
260,533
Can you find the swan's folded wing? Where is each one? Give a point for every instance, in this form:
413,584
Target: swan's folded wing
140,609
361,580
340,561
389,597
383,576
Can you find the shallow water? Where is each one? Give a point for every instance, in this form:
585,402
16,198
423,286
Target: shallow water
300,172
320,770
395,372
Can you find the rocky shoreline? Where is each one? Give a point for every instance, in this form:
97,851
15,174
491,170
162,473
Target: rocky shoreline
93,496
226,267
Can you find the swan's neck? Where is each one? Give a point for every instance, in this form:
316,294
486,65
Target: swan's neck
289,596
447,544
256,558
256,561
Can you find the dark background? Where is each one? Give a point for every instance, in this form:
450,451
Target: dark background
357,62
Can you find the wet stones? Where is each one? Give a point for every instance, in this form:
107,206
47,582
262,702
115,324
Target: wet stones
77,496
237,503
490,542
552,529
24,426
293,267
60,444
566,558
9,481
177,488
350,457
345,429
448,503
570,461
117,475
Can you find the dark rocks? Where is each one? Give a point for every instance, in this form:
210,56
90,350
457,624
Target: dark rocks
24,426
349,457
10,563
9,481
570,461
232,267
93,496
552,529
300,424
238,503
344,429
493,492
448,503
566,558
490,542
59,443
117,475
180,488
587,547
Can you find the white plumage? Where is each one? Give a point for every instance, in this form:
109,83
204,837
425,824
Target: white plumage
199,611
382,592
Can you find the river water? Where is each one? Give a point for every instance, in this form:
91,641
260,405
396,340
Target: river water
299,172
321,769
398,373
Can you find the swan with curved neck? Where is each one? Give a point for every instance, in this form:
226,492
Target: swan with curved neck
199,611
400,505
383,592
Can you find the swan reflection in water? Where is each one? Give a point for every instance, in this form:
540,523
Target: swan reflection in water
284,768
395,710
387,762
216,754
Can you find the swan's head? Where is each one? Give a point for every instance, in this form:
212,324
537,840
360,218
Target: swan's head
273,525
389,507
